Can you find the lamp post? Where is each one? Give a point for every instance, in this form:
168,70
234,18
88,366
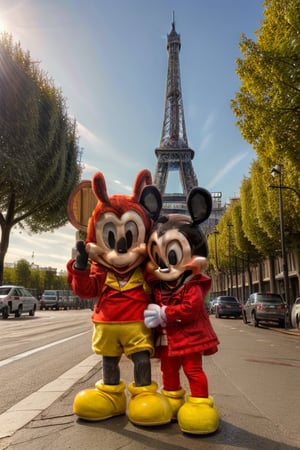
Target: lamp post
216,232
229,225
277,170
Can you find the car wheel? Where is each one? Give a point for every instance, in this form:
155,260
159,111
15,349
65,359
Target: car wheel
18,312
32,312
5,313
254,319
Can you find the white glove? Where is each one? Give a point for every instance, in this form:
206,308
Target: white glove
154,315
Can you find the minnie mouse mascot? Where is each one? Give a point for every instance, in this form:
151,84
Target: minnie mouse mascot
178,249
110,266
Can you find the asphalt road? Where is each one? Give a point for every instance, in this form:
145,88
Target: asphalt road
36,350
254,379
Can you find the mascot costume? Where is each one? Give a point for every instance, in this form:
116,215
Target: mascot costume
110,266
178,249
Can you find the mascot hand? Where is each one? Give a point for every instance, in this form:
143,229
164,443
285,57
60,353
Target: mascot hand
82,257
154,315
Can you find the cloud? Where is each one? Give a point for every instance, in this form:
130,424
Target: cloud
227,168
122,185
88,135
207,130
45,249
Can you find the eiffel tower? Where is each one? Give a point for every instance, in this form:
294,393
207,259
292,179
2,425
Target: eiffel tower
173,153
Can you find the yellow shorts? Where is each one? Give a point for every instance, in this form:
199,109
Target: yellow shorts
114,339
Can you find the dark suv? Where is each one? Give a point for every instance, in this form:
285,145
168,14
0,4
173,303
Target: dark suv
265,308
227,306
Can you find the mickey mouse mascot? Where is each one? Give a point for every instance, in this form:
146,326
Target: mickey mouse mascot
178,249
109,266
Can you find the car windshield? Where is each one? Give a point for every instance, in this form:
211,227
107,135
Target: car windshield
228,300
269,298
4,290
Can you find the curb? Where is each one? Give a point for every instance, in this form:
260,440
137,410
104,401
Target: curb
23,412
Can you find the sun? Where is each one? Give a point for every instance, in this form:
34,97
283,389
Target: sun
2,25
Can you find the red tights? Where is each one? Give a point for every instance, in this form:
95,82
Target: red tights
192,367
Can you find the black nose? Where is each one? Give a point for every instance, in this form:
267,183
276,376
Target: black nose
122,245
161,264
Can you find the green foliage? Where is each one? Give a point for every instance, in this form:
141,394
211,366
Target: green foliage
23,273
34,278
39,147
268,104
267,108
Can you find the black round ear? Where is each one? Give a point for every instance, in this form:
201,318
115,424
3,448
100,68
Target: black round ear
151,200
199,203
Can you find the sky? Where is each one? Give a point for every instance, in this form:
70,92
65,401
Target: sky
109,59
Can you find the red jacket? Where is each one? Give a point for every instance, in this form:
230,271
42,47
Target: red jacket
188,326
116,303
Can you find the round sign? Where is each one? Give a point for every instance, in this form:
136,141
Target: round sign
81,204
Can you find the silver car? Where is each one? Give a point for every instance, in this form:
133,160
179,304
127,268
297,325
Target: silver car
295,314
265,307
16,300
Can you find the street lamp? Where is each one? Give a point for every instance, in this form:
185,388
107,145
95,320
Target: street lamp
217,273
229,225
277,170
216,232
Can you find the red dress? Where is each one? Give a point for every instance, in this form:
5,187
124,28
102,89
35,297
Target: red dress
188,331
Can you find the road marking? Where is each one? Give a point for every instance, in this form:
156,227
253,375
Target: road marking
27,409
7,361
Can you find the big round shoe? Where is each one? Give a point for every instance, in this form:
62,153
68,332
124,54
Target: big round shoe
101,403
176,399
147,407
198,416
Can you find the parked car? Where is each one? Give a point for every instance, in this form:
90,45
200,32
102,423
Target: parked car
295,313
227,306
16,300
60,299
211,306
50,299
265,307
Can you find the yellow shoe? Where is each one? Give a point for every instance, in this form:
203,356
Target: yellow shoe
101,403
176,400
147,407
198,416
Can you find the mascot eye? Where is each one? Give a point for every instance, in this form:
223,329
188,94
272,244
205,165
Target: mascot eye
156,258
154,253
174,253
131,233
109,235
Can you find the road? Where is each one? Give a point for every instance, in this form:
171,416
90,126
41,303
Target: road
264,365
254,379
36,350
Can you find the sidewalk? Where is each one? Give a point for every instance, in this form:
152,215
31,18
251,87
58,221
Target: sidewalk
242,426
291,331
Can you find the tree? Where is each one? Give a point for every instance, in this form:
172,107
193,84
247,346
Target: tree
267,108
23,273
39,147
268,104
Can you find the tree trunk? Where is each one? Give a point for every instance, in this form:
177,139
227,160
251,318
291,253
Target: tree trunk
5,233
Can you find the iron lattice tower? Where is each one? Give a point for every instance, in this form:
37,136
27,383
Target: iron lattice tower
173,153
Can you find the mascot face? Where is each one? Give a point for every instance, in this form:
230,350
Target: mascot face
177,239
121,240
120,224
